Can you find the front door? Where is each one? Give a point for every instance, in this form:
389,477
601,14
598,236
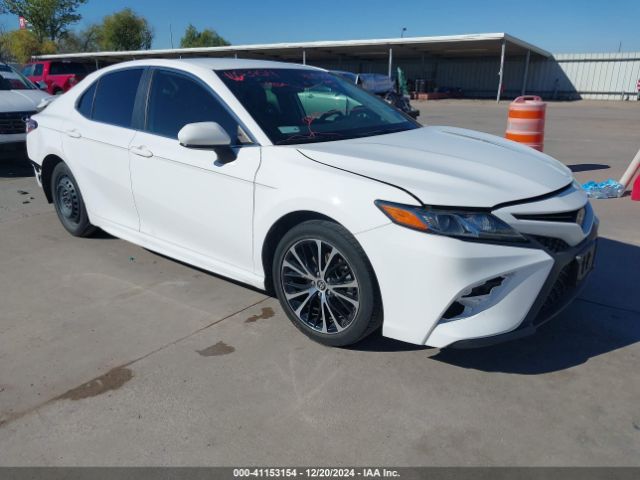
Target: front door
200,200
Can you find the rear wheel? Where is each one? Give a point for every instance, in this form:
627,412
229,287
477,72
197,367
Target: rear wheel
325,283
68,202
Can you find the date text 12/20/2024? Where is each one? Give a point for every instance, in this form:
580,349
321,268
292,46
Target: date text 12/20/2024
315,472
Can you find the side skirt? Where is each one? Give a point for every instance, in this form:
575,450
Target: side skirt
179,253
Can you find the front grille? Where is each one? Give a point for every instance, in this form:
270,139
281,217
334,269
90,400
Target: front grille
555,245
568,217
13,122
562,289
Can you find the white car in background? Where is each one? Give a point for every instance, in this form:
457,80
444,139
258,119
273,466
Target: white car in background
19,99
354,214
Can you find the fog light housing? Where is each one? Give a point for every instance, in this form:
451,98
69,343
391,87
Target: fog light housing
475,299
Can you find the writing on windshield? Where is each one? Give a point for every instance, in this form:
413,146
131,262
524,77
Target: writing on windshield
304,106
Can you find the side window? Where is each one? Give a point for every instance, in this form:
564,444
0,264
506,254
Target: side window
55,68
176,100
67,68
38,69
85,104
115,97
28,71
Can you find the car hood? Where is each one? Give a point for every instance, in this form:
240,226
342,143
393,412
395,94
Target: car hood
447,166
20,100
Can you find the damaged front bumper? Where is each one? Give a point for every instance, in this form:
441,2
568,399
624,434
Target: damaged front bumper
571,268
502,291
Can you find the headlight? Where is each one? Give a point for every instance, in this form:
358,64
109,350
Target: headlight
450,222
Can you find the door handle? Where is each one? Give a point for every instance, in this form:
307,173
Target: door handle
73,133
141,152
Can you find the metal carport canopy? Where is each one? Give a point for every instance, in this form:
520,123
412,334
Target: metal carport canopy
486,44
472,45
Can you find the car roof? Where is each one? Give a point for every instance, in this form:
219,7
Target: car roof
215,63
229,63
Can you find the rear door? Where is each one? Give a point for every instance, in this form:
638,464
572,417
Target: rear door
96,143
198,199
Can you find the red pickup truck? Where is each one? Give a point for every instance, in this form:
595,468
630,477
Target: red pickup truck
58,76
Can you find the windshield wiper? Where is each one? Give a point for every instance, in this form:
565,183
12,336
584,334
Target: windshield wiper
372,133
311,138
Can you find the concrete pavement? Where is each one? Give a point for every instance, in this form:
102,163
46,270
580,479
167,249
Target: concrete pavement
113,355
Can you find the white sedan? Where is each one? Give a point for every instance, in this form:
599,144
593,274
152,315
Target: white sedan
351,212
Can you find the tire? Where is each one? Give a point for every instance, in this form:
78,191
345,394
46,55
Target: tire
68,202
336,301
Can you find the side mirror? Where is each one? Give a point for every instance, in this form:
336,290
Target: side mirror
203,135
42,85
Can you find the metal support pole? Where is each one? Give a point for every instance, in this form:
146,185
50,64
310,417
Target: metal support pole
390,61
526,73
501,73
304,57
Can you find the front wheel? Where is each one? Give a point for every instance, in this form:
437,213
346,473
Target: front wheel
326,284
68,202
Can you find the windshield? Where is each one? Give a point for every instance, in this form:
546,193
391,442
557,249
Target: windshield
306,106
12,80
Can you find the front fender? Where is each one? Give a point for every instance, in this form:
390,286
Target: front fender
289,182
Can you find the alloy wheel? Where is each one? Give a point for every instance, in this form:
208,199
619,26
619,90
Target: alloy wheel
320,286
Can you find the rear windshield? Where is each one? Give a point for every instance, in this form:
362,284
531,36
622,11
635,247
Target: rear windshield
295,106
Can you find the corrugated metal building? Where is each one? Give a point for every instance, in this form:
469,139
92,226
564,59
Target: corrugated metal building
492,65
594,76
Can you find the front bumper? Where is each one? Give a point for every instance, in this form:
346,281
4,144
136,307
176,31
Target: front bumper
421,276
559,290
13,149
13,138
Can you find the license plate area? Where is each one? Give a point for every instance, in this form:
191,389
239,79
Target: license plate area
585,261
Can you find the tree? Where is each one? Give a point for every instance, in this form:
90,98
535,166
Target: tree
4,49
125,30
21,45
86,40
206,38
48,18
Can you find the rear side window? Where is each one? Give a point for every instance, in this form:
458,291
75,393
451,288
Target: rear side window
115,97
85,104
176,100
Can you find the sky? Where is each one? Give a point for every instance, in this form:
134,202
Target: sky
560,26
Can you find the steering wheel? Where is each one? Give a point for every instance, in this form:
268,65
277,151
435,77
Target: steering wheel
362,113
331,113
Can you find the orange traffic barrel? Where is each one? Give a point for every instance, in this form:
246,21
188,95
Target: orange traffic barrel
526,121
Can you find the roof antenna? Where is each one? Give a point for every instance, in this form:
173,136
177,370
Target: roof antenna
171,36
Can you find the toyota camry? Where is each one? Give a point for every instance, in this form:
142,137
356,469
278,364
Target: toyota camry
290,179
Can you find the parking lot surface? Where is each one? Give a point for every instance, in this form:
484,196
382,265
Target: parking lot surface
113,355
